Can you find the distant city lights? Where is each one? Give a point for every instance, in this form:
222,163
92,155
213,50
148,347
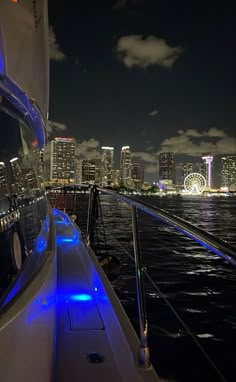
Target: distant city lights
14,159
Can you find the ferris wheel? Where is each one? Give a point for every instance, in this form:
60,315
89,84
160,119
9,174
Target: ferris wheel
194,183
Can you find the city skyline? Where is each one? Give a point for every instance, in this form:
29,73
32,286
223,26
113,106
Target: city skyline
145,74
63,160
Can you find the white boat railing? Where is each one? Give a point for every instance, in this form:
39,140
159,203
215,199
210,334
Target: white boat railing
208,241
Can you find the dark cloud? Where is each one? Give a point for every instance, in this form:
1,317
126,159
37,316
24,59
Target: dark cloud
88,149
148,160
194,143
54,127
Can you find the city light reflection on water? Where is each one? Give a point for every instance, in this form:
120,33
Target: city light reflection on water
199,284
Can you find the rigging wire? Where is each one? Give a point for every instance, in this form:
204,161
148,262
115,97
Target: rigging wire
176,314
102,224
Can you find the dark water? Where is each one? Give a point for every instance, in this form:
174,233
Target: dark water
199,285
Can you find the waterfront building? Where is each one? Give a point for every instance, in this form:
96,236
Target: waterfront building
187,168
116,178
166,168
125,166
137,176
98,171
201,168
107,165
31,180
46,165
178,174
208,160
88,171
228,172
4,188
18,186
62,164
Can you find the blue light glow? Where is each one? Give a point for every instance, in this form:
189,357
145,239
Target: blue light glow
65,240
73,290
41,244
1,64
55,212
66,221
81,297
39,307
12,293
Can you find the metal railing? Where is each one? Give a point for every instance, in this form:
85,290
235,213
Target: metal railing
208,241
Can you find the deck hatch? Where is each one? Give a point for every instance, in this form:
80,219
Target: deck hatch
84,315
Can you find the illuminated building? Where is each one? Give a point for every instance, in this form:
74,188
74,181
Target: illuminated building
62,166
137,176
4,189
208,160
125,166
107,165
187,168
116,178
46,158
30,179
201,168
166,168
181,171
88,171
18,185
228,172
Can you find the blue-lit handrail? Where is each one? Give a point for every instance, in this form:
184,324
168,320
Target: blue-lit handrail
208,241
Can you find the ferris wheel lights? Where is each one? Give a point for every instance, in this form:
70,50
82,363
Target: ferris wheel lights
195,183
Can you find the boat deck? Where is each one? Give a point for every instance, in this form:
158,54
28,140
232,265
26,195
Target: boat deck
91,341
69,322
83,348
91,344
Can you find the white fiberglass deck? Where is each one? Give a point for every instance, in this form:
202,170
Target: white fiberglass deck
90,319
67,325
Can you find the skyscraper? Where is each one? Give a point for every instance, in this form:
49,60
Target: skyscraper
116,178
208,160
137,176
88,171
125,166
32,181
62,166
166,168
187,168
4,189
107,165
19,180
201,168
228,172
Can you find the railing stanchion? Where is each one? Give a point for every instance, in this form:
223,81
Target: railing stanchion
143,323
89,217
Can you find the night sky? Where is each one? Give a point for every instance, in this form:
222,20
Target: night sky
155,75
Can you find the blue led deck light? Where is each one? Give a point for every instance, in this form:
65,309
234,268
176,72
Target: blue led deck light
81,297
